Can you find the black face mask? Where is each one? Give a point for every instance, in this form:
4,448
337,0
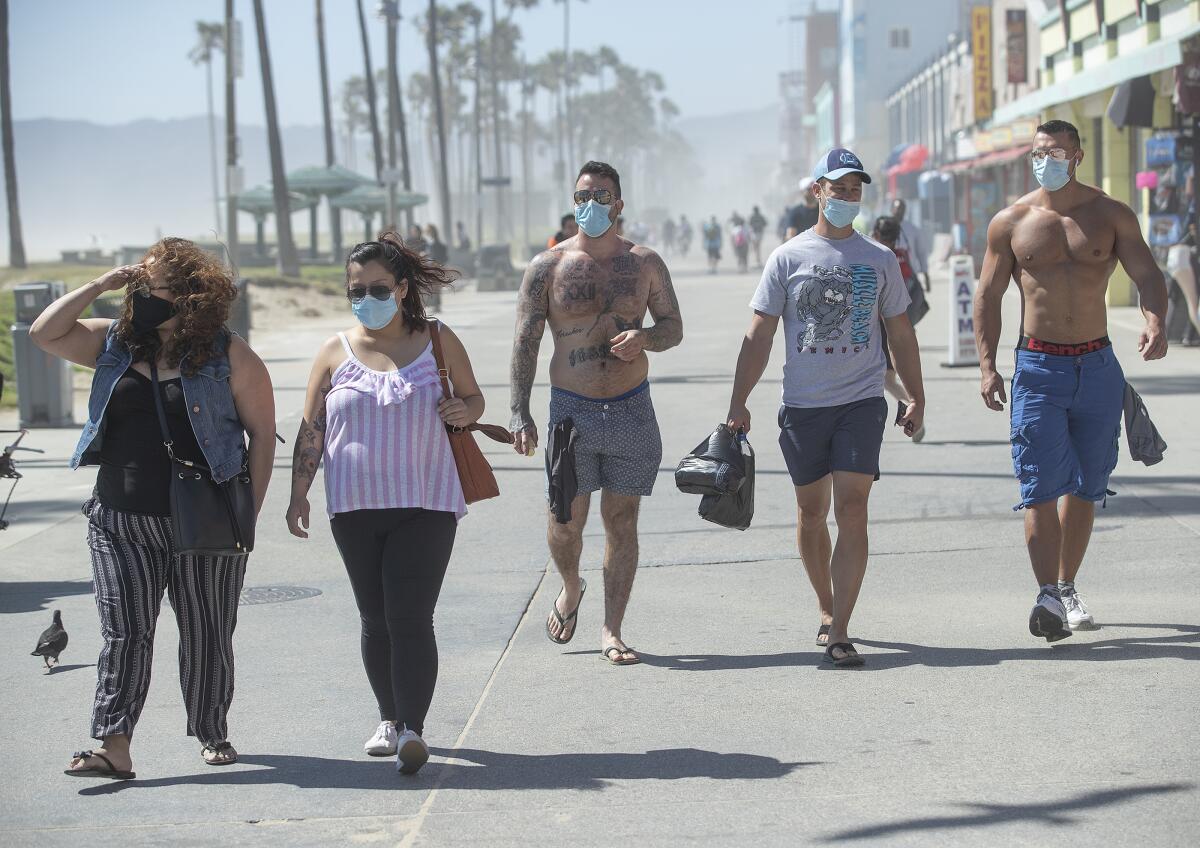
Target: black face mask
150,312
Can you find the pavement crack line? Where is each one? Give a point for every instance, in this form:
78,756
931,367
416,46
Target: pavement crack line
418,820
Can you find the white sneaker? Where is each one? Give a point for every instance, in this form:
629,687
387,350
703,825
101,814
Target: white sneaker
412,752
383,743
1049,618
1078,616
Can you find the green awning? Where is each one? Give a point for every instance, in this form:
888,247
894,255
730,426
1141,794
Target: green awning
332,180
260,201
371,199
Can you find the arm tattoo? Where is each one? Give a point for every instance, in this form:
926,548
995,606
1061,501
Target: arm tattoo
310,444
532,306
664,307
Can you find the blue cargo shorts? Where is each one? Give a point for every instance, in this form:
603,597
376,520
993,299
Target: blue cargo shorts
1066,422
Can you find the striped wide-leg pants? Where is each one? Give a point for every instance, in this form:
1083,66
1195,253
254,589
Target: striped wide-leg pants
133,561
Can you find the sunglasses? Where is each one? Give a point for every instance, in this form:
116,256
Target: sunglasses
357,294
1040,153
601,195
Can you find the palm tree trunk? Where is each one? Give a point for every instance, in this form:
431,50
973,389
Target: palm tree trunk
16,245
400,127
335,215
288,261
231,140
372,107
502,233
212,146
440,120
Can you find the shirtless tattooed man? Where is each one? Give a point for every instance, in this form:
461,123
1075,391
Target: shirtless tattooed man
1061,243
594,291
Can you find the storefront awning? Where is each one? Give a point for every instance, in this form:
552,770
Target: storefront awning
1159,56
988,160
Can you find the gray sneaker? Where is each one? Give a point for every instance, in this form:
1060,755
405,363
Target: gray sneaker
1048,619
1078,616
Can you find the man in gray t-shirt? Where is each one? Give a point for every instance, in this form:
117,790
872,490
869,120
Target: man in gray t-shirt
831,294
836,290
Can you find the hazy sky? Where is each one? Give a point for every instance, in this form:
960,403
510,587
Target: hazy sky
120,60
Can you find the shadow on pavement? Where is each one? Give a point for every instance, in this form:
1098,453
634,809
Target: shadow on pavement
36,595
62,669
1167,385
1184,646
1043,812
491,770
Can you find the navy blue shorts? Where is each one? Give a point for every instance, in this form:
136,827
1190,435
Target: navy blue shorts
817,441
1066,420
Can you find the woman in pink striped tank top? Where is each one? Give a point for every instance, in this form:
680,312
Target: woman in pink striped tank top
375,415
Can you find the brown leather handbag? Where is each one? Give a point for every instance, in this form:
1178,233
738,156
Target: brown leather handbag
474,472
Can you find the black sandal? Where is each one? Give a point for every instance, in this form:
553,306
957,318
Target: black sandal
108,770
823,630
563,622
219,748
848,659
615,655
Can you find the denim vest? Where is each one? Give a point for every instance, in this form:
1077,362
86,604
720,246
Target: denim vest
214,417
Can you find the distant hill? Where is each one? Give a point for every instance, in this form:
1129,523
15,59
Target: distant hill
125,184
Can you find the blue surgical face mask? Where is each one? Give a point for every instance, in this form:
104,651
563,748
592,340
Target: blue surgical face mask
593,218
839,213
375,314
1052,174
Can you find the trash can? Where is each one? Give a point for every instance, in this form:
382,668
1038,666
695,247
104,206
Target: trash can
239,310
43,381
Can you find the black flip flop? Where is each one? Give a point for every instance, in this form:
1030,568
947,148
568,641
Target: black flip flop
613,655
849,659
563,622
217,748
111,772
823,630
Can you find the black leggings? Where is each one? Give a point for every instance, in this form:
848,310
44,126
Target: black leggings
396,559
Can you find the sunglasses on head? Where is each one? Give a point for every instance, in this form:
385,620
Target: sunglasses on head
357,294
601,195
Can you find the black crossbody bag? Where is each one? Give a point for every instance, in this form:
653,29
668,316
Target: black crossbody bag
207,518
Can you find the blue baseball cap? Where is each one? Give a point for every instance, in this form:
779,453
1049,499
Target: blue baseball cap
837,163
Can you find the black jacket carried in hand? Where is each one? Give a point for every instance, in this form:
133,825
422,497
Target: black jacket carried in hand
560,468
714,467
1145,444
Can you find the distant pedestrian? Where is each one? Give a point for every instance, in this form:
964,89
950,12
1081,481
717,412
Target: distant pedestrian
886,232
668,237
758,226
567,228
375,416
416,241
832,286
685,236
739,237
170,347
460,233
712,243
437,251
912,240
804,215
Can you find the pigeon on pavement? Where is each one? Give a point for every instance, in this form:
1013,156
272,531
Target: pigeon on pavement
52,641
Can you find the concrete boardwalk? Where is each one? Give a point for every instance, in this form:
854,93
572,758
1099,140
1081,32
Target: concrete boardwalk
962,730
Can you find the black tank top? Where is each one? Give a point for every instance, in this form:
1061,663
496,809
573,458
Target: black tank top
135,470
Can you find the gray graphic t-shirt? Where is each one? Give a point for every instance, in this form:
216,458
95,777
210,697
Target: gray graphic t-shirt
831,294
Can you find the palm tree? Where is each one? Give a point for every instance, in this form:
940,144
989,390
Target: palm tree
210,39
288,261
335,214
16,245
369,76
440,120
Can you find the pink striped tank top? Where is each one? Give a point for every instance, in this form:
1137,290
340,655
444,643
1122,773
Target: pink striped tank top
385,446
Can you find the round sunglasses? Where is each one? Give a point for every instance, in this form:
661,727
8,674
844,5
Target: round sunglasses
601,195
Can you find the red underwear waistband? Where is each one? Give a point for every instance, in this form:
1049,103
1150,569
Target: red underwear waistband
1058,349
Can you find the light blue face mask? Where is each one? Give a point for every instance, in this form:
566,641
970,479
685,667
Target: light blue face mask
839,213
1052,174
593,218
375,314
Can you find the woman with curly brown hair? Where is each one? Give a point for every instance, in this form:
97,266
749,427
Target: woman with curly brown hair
376,415
170,340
